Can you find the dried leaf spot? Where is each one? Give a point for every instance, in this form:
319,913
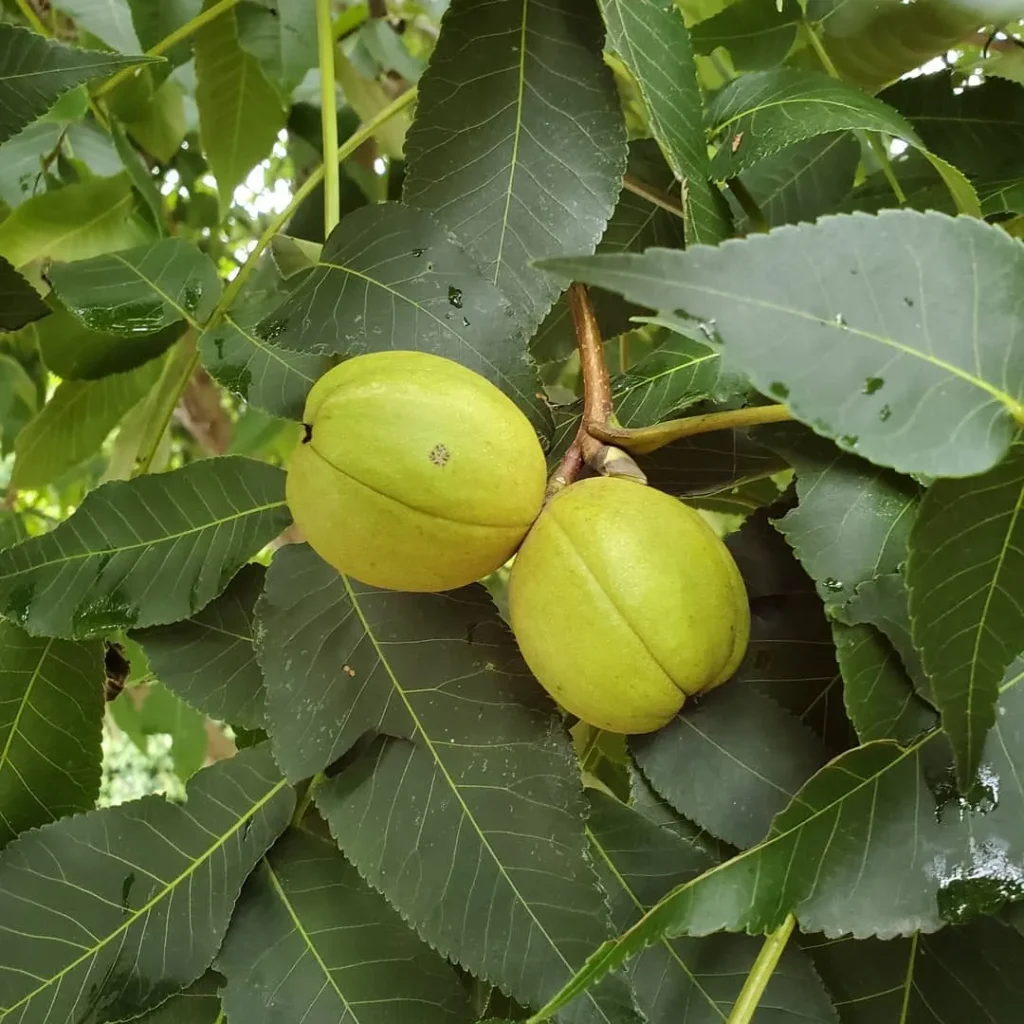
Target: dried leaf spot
439,454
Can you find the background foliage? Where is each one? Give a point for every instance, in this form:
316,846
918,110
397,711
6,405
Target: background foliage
235,785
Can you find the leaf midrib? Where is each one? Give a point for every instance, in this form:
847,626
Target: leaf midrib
143,544
148,906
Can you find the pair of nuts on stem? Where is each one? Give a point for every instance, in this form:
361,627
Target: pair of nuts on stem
417,474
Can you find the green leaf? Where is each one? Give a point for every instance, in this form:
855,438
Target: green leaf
880,699
12,529
790,657
51,718
468,811
198,1004
884,603
730,762
340,952
686,980
154,22
390,277
966,598
139,291
75,352
94,904
20,303
74,423
73,223
108,20
652,41
969,973
240,112
898,864
675,375
770,110
804,181
763,112
853,519
17,401
146,551
873,44
208,660
898,307
714,469
35,71
282,38
21,158
141,176
756,34
518,145
153,710
635,225
265,375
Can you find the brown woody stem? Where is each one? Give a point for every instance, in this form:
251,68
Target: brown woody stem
641,440
597,403
653,194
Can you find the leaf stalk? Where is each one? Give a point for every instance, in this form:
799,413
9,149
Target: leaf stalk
760,974
329,115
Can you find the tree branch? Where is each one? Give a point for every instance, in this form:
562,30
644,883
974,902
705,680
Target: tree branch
653,195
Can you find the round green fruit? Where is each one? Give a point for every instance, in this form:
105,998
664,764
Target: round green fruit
624,602
415,473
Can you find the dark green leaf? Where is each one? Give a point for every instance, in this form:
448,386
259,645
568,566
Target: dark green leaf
873,44
636,224
20,303
518,144
806,180
75,352
969,973
73,424
730,761
146,551
756,34
208,660
139,291
923,303
128,904
153,710
282,38
884,603
652,41
140,174
853,519
880,699
198,1004
706,468
390,277
471,823
966,581
51,716
35,71
770,110
240,112
978,128
266,376
687,980
12,529
340,953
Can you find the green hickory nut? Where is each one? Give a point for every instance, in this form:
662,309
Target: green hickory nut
415,473
625,602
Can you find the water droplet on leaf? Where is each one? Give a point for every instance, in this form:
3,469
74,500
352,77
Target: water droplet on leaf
455,296
831,583
778,389
872,384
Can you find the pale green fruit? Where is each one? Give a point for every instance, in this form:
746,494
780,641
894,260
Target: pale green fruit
416,473
624,602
